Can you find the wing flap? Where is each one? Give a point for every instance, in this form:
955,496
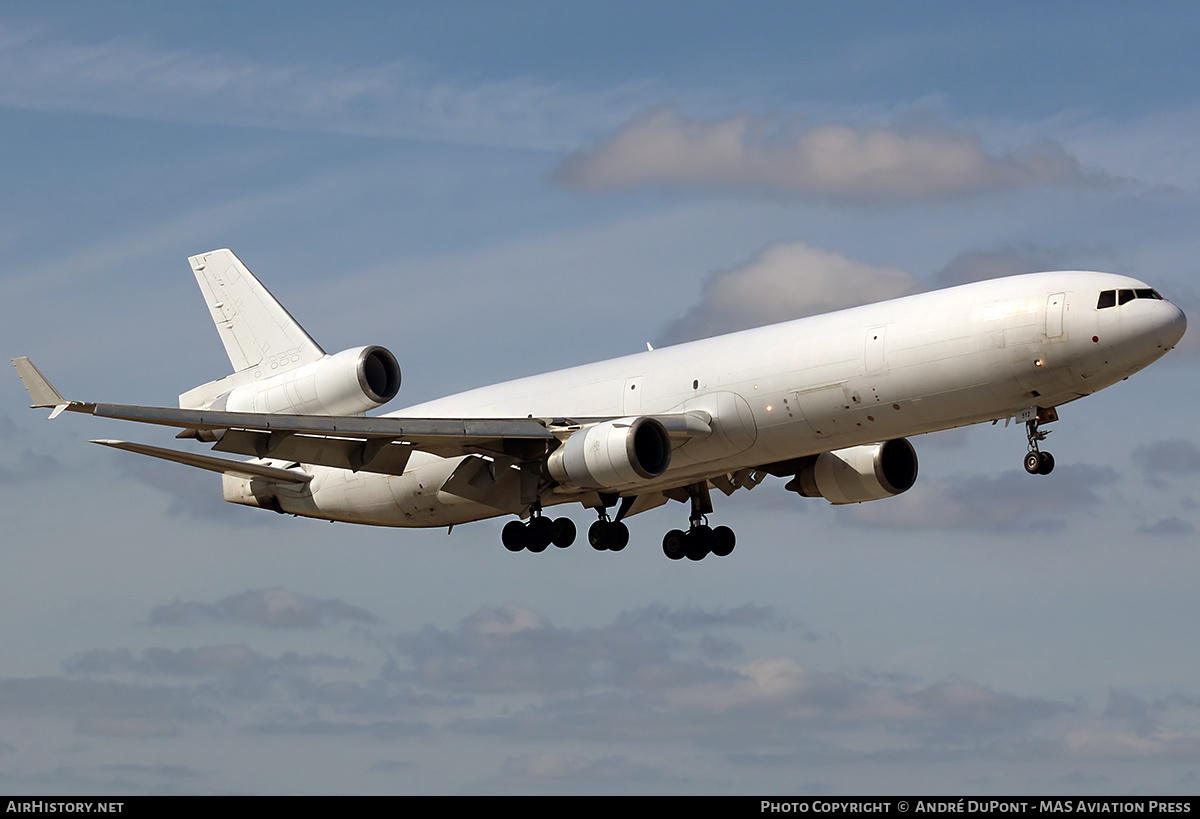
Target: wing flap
489,483
366,455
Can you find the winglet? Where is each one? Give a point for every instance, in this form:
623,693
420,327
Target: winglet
40,390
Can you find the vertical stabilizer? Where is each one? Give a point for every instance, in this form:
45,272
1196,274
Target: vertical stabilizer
255,328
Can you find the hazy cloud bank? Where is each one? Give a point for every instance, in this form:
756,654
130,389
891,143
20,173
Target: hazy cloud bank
272,608
123,77
572,696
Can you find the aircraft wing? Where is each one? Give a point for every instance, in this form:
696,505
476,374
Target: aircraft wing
240,469
371,444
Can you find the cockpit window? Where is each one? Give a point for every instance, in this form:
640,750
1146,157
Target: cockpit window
1111,298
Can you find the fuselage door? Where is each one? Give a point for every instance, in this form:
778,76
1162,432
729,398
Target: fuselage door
1054,314
631,404
874,359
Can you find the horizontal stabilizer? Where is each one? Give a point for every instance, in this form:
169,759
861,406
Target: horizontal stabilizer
212,463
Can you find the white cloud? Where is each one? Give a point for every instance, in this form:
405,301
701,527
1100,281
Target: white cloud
1013,259
786,281
832,160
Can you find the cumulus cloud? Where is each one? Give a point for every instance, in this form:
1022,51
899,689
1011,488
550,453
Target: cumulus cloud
778,704
271,608
694,618
642,679
203,660
1008,502
509,648
784,281
1011,260
104,707
835,161
1169,527
29,460
1177,457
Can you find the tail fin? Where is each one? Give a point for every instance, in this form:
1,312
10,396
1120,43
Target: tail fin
254,327
260,336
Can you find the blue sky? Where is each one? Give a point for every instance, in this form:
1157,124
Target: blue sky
492,190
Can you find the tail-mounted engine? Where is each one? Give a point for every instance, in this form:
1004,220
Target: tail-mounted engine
859,473
349,383
612,455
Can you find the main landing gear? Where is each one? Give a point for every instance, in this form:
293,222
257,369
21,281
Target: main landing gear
610,535
538,533
1036,461
699,540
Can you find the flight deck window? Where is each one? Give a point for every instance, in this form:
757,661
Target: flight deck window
1108,298
1124,296
1147,293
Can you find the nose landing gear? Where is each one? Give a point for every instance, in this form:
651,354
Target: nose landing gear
1038,462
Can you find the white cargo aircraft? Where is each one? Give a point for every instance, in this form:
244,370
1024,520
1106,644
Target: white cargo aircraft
826,401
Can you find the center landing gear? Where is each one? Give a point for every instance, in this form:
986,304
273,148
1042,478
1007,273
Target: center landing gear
538,533
699,540
610,535
1036,461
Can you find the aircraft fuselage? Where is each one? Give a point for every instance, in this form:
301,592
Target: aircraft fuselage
974,353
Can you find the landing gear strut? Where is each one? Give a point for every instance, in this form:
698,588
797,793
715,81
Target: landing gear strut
538,533
699,540
1036,461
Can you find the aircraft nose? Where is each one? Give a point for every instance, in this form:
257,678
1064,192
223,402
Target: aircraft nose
1173,327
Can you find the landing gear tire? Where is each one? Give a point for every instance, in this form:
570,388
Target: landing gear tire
673,544
1033,462
563,533
724,541
1039,463
699,542
608,536
597,535
541,532
514,536
1047,463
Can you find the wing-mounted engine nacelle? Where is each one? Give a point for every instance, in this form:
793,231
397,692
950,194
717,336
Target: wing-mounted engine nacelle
612,455
349,383
859,473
